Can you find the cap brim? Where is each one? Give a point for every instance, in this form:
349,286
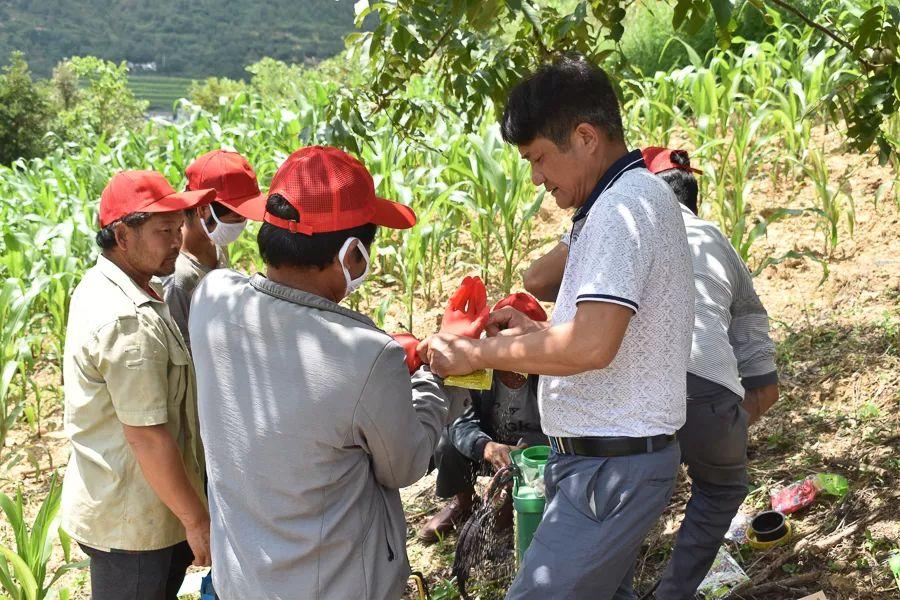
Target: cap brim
393,214
181,201
253,208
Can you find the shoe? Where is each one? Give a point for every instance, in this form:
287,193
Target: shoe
454,513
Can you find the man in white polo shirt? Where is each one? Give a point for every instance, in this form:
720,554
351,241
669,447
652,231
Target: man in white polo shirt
614,357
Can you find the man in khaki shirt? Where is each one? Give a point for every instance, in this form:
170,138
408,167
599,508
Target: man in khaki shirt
133,491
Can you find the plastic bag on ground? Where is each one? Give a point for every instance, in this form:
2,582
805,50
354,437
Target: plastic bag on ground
724,575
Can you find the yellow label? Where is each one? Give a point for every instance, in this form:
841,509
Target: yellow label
479,380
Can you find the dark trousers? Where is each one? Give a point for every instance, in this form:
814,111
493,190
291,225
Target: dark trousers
142,575
714,448
456,472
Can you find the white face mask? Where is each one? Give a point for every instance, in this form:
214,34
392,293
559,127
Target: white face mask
224,233
353,284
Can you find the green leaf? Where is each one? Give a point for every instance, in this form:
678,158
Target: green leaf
71,566
722,9
22,573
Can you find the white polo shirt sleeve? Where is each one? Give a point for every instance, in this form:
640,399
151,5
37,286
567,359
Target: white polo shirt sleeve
618,257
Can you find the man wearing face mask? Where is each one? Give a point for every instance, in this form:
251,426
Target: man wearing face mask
208,230
310,417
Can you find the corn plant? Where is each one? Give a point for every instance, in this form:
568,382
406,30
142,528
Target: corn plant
23,570
501,202
833,202
15,320
417,256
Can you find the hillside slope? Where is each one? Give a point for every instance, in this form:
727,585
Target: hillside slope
194,39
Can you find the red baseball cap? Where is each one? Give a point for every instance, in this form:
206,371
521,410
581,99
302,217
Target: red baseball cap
234,180
524,303
660,159
145,191
332,191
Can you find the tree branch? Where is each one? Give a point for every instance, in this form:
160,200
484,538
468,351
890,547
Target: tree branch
385,96
821,28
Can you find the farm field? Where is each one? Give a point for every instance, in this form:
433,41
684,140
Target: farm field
816,223
161,91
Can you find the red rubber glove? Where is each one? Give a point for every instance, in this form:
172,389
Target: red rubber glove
525,304
409,343
467,311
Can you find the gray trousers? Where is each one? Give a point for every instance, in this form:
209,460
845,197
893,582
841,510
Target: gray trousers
598,512
714,448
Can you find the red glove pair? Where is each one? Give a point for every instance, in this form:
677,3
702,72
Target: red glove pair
466,315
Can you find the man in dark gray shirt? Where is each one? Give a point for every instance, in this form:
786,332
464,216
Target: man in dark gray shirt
208,230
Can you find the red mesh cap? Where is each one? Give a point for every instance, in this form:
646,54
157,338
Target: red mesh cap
332,191
145,191
660,159
234,180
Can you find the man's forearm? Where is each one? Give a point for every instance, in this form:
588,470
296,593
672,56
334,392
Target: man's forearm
559,350
163,467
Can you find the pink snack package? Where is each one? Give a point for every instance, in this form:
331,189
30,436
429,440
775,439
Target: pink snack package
792,498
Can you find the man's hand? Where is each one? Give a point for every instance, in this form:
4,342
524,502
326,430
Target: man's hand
162,465
448,354
758,401
198,540
509,321
497,455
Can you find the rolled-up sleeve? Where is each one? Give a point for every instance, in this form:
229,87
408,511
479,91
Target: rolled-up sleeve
133,361
749,330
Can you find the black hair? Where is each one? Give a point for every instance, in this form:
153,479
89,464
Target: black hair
682,181
279,247
106,237
558,97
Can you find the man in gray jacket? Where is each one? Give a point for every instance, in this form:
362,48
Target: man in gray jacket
310,418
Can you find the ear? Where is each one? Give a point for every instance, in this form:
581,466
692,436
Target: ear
123,234
586,136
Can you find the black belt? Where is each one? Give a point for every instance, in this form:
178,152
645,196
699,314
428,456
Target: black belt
610,446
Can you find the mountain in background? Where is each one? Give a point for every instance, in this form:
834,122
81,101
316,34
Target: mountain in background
196,38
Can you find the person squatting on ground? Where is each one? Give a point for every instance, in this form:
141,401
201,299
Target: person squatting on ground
731,377
133,490
209,229
613,359
495,422
310,418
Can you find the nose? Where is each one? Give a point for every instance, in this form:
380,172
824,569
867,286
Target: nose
537,178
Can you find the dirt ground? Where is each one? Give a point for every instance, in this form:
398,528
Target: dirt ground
839,366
